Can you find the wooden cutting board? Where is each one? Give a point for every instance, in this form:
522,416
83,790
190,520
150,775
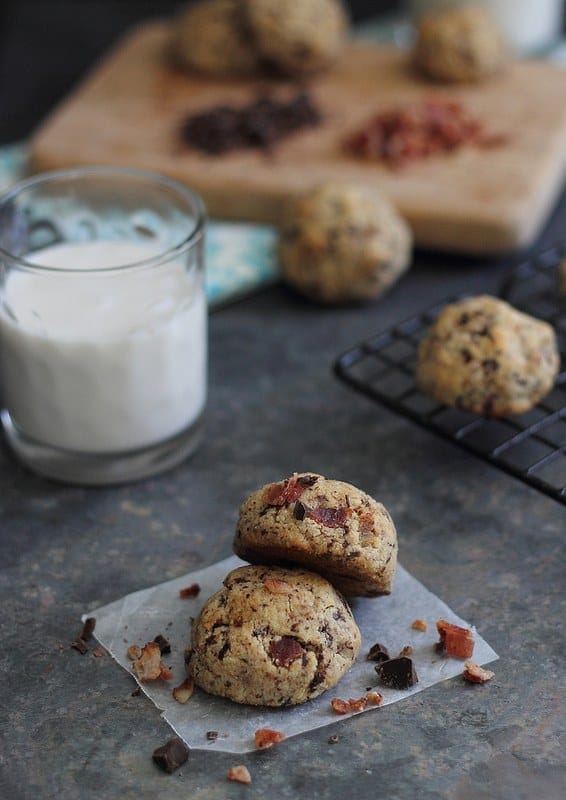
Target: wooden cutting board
129,111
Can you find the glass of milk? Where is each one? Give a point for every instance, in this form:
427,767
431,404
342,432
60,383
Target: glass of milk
103,323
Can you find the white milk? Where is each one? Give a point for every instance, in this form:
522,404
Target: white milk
103,362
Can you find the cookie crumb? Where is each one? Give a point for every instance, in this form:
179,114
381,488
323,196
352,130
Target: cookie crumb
134,652
419,625
240,774
476,674
149,667
406,651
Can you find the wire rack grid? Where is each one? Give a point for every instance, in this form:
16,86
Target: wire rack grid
531,446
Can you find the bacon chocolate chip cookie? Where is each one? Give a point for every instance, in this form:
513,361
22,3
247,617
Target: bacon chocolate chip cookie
484,356
325,525
272,637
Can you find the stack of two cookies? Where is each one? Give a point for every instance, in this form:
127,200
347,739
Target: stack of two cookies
280,632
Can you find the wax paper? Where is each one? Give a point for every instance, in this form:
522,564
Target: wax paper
139,617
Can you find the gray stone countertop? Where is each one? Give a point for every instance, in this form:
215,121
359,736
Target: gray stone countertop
488,545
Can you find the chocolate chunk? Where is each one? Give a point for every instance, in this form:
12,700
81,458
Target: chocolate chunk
299,511
307,480
490,365
88,629
164,645
466,355
378,653
397,673
171,755
79,645
136,692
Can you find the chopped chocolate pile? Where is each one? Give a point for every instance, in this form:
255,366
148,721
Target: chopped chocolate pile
171,755
261,123
397,673
398,136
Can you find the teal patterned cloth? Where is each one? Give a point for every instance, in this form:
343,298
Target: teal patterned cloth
240,258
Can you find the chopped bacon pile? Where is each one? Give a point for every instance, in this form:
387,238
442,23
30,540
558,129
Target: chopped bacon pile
454,640
346,706
401,135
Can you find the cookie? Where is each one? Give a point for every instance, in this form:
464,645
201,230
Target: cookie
325,525
343,243
211,37
298,36
459,45
484,356
272,637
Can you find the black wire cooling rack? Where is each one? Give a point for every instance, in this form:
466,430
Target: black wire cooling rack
532,446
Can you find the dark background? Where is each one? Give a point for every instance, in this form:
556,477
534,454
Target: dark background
46,45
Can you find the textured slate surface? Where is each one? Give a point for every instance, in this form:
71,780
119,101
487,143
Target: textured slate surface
488,545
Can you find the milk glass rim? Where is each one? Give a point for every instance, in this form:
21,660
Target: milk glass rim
59,175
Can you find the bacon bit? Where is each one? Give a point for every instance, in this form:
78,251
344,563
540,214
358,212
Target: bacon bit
283,494
374,699
366,522
276,586
329,517
419,625
149,667
346,706
189,591
240,774
134,652
284,651
98,652
454,640
398,136
476,674
406,651
79,645
184,691
266,737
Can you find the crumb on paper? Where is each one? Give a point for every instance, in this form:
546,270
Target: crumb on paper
149,667
473,673
454,641
266,737
189,591
184,691
240,774
134,652
350,706
419,625
406,651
